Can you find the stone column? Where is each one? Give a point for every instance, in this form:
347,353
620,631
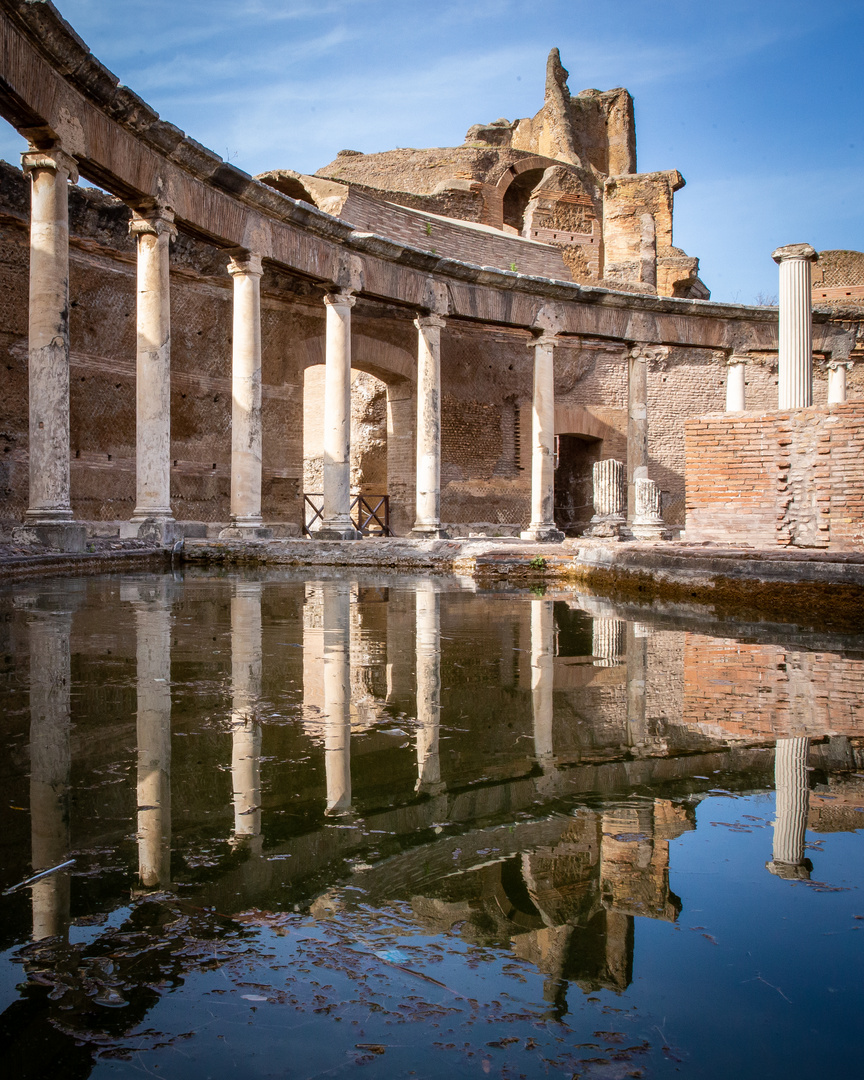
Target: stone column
542,678
427,524
153,727
607,640
837,381
795,384
49,513
153,228
610,498
647,523
246,520
542,526
637,685
337,695
50,766
337,524
427,645
641,356
735,393
793,802
245,695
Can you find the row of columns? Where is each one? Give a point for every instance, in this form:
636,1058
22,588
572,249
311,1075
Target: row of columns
795,340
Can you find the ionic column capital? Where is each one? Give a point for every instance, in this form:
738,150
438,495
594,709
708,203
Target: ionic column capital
835,365
55,160
245,264
340,299
737,358
646,353
795,253
153,220
428,322
546,339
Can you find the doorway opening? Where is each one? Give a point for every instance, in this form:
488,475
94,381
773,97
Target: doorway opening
574,484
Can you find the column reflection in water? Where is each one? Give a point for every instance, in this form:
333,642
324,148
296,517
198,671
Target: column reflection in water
793,804
245,694
542,677
428,667
607,640
153,636
50,762
337,694
637,667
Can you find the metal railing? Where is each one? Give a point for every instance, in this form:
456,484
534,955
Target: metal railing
370,514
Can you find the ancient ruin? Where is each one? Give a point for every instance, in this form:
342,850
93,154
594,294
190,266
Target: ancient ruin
420,343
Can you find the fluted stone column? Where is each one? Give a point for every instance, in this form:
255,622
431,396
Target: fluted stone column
610,498
427,644
795,383
337,695
50,766
245,694
837,381
543,677
793,803
735,383
49,513
153,228
647,523
246,434
427,524
542,526
336,522
153,728
607,640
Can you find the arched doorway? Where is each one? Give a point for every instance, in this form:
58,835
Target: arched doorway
518,195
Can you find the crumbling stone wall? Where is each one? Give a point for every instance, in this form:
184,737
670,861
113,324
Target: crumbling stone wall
788,479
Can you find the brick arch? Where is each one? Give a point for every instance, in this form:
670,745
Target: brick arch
390,363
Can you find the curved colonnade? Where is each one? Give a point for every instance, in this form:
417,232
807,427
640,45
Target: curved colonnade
78,119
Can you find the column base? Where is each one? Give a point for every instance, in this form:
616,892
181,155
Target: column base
542,534
790,871
607,525
429,532
164,532
246,532
648,530
337,531
56,535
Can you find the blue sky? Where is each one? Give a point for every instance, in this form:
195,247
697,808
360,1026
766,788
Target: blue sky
760,105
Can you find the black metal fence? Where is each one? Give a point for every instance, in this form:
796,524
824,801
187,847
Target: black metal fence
370,514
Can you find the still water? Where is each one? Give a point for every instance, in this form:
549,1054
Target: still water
401,826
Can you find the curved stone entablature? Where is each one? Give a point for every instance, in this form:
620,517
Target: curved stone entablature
55,92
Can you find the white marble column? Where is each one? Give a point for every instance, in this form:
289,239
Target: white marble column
153,228
246,434
50,766
336,523
427,524
795,365
610,498
542,677
647,523
607,640
337,694
427,645
837,381
642,355
49,506
153,728
542,526
793,802
246,664
735,380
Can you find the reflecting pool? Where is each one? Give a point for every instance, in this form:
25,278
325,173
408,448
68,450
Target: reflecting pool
271,825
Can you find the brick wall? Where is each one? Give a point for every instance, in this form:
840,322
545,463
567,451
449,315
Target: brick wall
792,478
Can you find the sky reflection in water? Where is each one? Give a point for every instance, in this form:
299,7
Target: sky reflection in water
399,825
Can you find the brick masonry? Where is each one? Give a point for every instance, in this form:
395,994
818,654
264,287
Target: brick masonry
777,479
